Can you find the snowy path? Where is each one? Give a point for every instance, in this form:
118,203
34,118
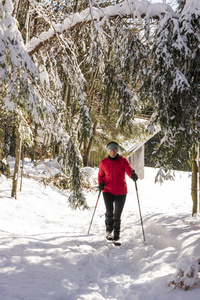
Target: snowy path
45,252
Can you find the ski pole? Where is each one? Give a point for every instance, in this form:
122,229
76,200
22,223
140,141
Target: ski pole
140,211
94,211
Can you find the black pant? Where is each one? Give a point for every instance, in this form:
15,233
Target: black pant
114,207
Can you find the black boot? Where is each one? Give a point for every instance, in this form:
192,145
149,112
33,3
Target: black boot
109,223
109,227
117,224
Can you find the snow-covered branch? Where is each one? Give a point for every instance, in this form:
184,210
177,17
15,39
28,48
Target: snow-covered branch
128,8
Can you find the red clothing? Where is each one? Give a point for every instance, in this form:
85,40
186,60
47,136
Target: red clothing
113,174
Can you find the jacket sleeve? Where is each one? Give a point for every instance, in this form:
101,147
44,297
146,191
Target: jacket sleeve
101,173
128,167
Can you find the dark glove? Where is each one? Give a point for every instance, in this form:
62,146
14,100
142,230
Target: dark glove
101,186
134,176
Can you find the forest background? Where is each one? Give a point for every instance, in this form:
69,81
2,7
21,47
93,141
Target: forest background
75,74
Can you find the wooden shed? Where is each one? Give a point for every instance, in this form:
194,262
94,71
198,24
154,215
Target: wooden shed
136,155
136,159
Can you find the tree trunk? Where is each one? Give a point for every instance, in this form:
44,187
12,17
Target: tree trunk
87,151
84,155
23,149
17,8
199,175
17,163
76,6
67,100
194,180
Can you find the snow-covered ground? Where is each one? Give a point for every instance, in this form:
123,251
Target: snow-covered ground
46,253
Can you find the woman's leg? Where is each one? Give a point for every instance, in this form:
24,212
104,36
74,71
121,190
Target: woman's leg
119,205
109,220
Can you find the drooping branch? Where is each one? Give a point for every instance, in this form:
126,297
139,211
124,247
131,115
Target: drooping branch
128,8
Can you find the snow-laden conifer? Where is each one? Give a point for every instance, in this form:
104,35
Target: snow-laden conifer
22,94
175,82
18,74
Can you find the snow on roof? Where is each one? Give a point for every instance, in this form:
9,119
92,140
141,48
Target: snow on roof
132,146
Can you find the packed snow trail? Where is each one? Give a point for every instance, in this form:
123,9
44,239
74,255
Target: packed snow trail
46,253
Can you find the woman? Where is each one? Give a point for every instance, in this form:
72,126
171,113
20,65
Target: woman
112,182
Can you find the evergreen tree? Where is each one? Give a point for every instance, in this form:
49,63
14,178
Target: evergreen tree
175,84
100,58
18,74
175,87
22,95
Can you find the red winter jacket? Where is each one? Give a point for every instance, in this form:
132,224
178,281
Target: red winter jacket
113,174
